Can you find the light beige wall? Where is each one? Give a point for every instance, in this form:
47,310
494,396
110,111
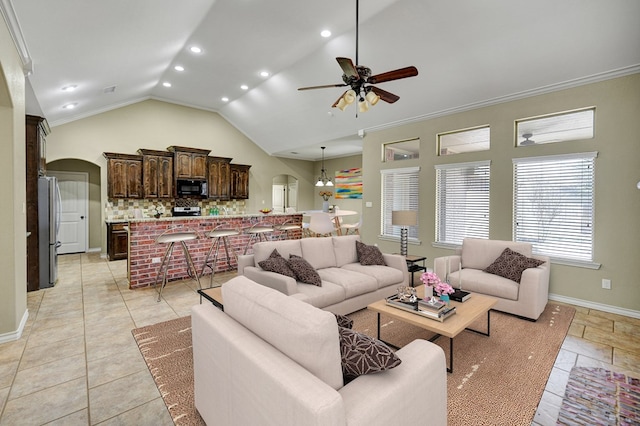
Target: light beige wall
332,166
617,201
13,247
157,125
95,204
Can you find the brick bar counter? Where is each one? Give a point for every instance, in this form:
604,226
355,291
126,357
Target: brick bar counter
143,248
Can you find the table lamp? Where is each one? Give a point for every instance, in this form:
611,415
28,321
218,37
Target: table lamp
404,218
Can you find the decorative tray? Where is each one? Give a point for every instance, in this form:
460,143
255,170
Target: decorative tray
414,308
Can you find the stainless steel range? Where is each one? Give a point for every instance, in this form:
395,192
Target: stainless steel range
186,211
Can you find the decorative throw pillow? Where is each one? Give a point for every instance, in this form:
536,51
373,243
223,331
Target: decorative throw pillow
278,264
344,321
511,264
303,271
362,354
369,255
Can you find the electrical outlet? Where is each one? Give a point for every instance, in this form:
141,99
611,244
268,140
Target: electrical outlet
155,260
606,284
368,204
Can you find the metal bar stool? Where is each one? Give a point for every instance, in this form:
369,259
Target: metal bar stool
222,232
172,238
258,232
286,228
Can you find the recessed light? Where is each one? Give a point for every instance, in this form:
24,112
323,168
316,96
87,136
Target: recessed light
166,84
225,99
325,33
178,68
70,106
195,49
70,88
244,87
264,73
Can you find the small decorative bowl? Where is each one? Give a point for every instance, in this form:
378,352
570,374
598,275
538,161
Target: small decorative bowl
265,211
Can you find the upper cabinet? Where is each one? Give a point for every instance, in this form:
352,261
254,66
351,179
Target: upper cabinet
219,178
157,173
240,181
124,175
189,163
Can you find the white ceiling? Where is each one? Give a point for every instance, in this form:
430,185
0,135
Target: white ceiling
468,53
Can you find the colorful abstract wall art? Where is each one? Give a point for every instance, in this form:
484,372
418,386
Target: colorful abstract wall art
349,183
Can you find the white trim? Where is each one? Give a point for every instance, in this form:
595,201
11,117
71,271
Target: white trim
10,17
400,170
462,165
608,75
559,157
594,305
15,335
94,250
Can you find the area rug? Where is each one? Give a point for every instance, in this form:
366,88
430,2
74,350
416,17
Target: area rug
497,380
599,396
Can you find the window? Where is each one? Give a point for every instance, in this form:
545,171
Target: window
403,150
399,192
560,127
462,202
460,141
553,206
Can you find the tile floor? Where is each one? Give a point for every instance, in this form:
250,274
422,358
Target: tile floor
77,362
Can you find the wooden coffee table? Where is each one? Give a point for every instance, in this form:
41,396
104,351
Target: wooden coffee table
466,313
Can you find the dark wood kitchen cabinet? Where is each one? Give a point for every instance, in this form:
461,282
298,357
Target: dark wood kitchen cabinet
240,181
157,173
117,240
189,163
36,131
124,175
219,178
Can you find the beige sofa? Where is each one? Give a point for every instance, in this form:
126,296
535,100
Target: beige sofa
347,286
526,299
269,359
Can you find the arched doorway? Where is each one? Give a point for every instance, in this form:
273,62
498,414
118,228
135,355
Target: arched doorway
284,193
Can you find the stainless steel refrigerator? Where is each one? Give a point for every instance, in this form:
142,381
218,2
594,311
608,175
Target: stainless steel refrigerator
49,207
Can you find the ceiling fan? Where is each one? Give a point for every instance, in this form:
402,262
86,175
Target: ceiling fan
359,79
526,140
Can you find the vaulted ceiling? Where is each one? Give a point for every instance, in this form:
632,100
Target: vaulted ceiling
469,53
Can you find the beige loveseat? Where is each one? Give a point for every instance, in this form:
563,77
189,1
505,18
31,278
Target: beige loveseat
526,299
269,359
347,286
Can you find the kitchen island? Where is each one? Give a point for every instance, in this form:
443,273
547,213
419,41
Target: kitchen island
145,255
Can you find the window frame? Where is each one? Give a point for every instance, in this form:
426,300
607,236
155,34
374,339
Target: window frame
546,174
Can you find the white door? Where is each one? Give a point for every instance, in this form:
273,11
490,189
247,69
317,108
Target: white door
74,223
277,200
292,200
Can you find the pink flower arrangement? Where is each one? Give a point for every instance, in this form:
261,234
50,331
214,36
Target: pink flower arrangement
439,287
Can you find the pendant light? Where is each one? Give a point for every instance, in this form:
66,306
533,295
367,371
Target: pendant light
323,180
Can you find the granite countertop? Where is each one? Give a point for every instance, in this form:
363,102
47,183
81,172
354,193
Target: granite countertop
203,217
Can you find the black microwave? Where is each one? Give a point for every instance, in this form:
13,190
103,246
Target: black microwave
191,188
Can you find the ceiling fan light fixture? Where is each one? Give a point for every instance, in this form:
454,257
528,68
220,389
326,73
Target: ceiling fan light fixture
372,97
342,104
350,96
363,106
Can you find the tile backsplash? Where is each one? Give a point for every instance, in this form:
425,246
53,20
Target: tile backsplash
125,208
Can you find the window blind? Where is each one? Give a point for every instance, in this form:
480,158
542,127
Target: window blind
553,205
400,189
462,201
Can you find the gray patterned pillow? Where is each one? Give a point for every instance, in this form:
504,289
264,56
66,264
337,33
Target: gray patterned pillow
511,264
278,264
304,271
344,321
369,255
362,354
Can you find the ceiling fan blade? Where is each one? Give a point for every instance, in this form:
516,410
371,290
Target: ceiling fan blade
384,95
348,68
393,75
322,87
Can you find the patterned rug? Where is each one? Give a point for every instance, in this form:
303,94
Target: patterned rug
602,397
497,380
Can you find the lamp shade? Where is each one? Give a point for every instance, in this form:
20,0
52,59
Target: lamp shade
404,217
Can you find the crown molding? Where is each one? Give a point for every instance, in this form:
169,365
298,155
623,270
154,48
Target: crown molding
9,15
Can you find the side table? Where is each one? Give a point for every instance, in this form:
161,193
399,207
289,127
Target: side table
213,295
415,264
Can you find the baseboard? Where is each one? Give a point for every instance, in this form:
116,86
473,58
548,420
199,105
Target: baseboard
594,305
15,335
94,250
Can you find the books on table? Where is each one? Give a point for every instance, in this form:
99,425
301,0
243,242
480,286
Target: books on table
415,307
459,295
